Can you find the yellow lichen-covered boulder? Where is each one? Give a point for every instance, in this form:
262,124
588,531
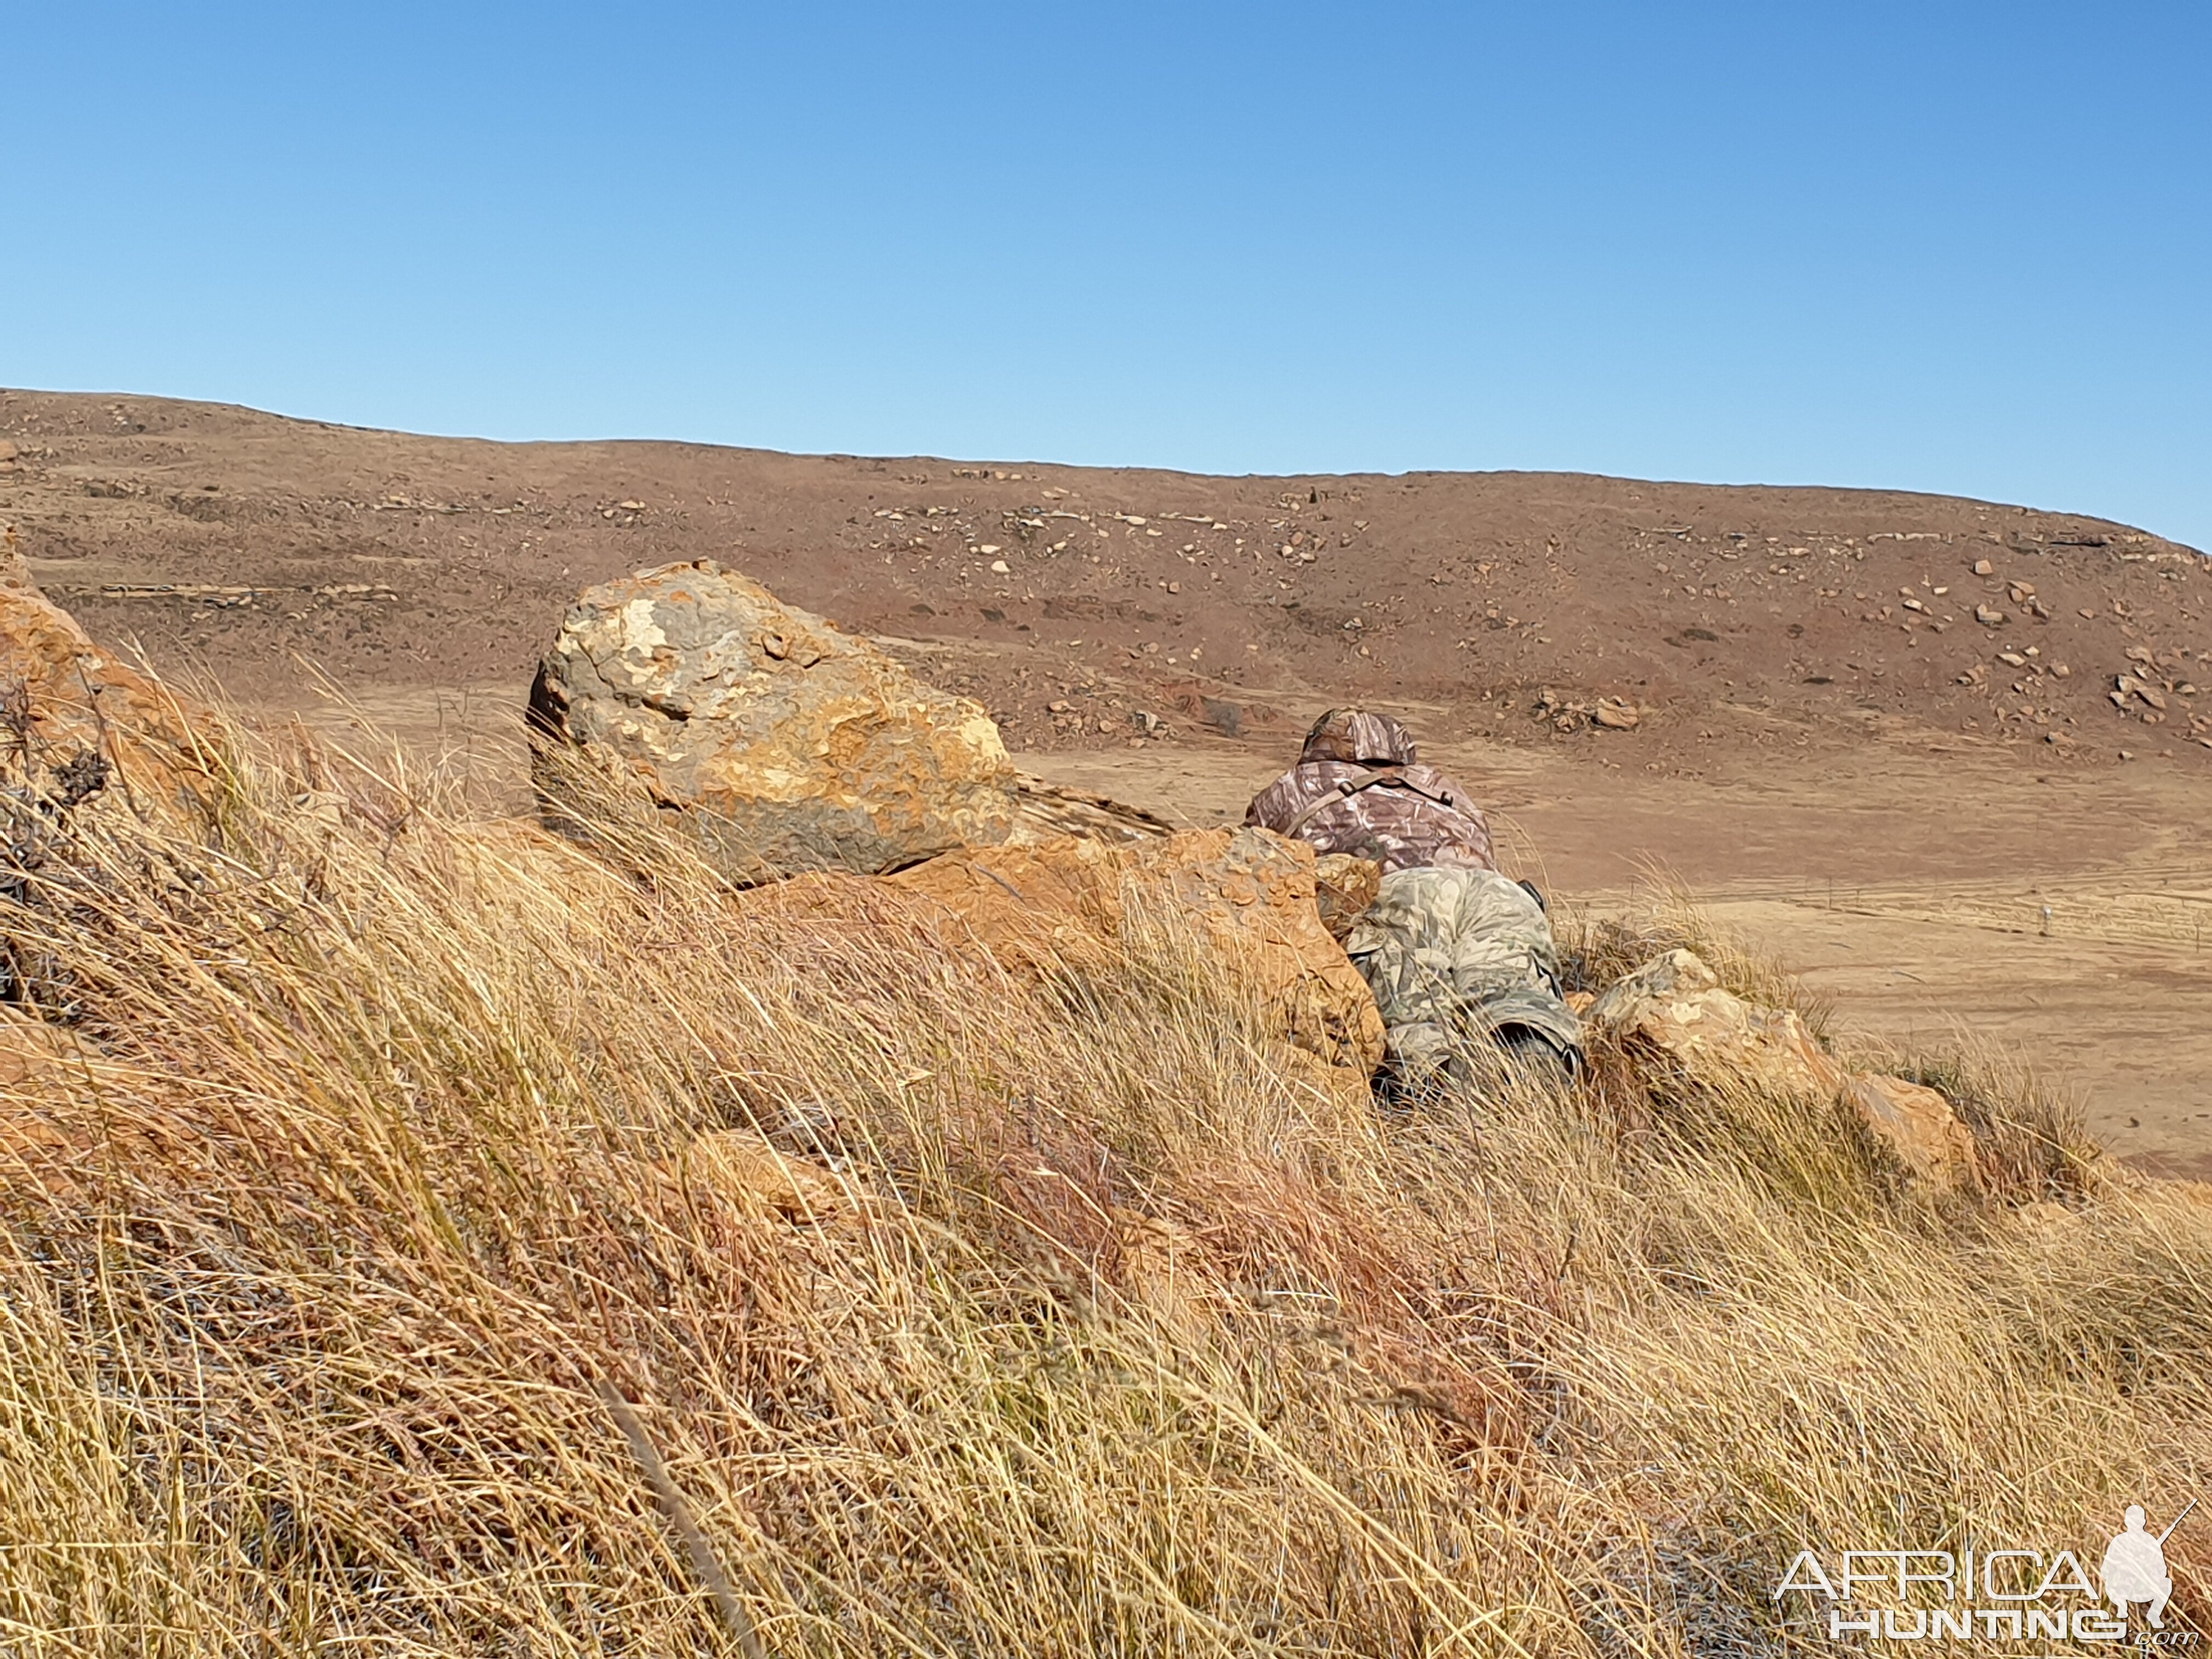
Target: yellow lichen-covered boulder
785,744
1675,1004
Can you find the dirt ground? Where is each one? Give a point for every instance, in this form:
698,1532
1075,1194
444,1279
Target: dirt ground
1945,759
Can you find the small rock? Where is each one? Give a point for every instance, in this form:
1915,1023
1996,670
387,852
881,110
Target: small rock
988,548
999,567
747,1166
1988,617
1616,716
1984,568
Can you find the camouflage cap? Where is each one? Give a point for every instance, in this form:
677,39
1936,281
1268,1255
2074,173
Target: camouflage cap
1361,738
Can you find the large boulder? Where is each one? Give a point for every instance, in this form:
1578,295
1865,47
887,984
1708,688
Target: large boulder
1675,1007
1252,892
75,723
785,744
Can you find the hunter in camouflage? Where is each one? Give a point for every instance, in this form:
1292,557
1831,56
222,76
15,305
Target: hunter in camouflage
1359,789
1460,957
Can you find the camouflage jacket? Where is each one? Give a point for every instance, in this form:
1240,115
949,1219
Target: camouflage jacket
1401,817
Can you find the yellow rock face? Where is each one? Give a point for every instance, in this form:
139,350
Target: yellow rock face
1253,890
788,745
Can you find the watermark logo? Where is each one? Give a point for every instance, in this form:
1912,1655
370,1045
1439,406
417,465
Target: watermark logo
2008,1595
2135,1567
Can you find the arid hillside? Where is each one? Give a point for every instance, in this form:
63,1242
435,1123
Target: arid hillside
1085,605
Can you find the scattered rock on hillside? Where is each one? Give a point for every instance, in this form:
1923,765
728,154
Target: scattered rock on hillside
1036,906
787,744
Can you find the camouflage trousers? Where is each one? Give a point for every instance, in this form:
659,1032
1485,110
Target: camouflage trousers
1458,958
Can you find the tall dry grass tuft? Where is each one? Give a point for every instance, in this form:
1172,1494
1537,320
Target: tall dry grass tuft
371,1281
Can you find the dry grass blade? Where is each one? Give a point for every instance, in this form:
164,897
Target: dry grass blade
665,1493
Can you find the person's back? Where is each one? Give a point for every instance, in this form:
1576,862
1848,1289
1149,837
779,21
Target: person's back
1359,787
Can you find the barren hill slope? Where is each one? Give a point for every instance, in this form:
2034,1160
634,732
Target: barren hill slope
1769,616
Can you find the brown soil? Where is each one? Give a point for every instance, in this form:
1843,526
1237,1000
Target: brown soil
1887,793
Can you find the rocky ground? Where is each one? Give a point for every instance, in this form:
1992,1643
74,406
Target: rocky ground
1883,731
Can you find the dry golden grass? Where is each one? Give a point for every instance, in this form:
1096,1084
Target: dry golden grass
368,1190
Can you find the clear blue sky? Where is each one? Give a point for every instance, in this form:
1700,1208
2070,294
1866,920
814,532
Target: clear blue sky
1960,247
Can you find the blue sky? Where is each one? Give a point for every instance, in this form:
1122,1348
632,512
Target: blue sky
1958,247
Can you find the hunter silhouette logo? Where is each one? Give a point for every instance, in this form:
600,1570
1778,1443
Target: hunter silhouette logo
2135,1566
1996,1595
